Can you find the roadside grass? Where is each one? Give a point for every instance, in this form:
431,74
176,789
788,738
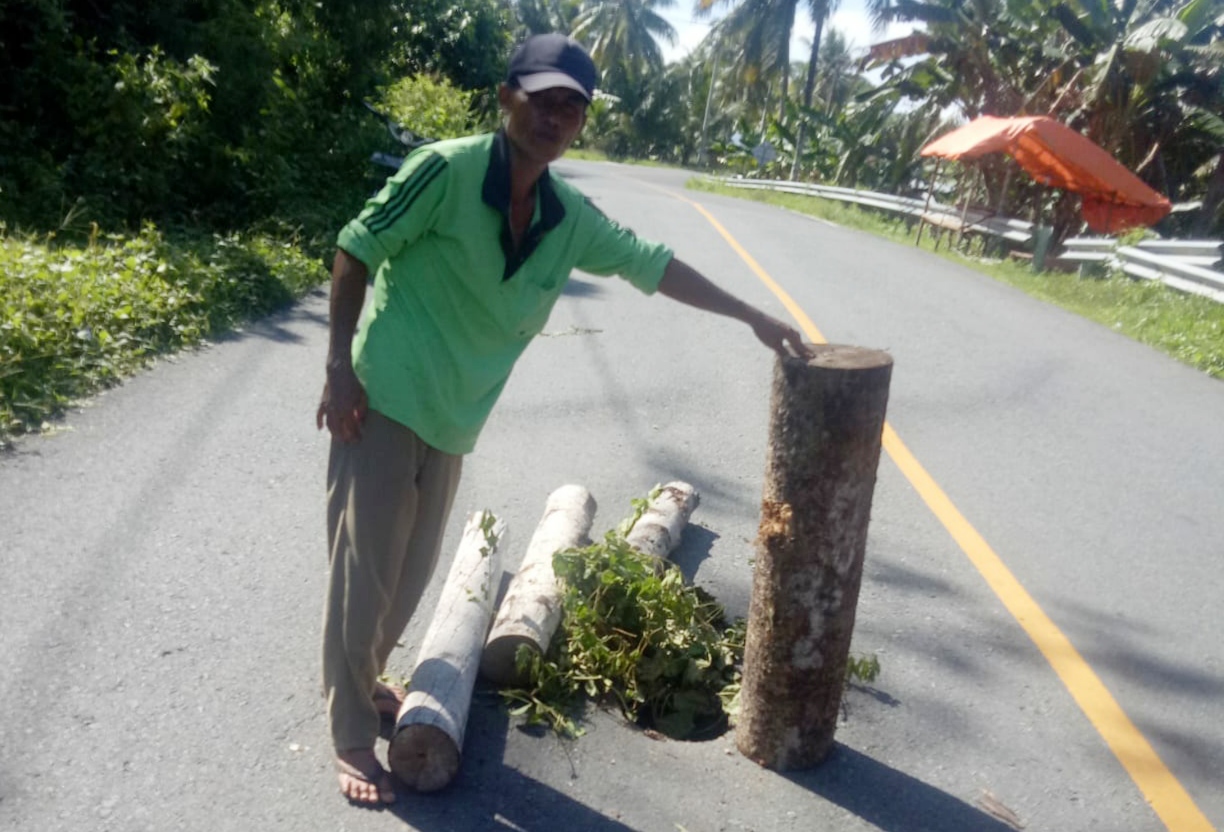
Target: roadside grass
1189,328
587,154
76,318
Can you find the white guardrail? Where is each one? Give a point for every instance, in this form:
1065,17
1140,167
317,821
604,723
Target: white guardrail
935,213
1192,266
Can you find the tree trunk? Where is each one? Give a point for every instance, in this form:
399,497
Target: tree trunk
428,737
531,610
809,87
824,447
657,532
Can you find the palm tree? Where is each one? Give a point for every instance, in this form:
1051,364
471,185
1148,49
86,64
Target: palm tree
821,11
762,28
538,17
765,27
621,37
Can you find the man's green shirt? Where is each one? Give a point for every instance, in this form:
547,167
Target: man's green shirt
455,304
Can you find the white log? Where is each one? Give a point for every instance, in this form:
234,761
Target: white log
657,532
428,739
531,611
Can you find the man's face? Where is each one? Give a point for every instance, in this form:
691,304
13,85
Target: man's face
542,125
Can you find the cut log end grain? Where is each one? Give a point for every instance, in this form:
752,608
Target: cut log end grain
424,757
429,729
499,663
657,532
844,357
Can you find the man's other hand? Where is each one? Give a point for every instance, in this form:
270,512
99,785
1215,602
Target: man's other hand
343,405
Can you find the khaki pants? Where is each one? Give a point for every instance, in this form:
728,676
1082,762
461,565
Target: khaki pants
388,498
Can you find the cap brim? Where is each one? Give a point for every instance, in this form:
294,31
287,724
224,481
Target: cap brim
539,81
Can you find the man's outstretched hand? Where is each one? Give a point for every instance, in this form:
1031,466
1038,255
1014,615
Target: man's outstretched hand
783,339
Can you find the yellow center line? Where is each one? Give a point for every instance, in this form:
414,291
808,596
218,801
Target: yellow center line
1171,802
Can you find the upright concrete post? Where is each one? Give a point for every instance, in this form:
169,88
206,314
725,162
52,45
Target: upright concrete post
820,472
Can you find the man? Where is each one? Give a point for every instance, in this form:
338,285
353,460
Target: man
471,243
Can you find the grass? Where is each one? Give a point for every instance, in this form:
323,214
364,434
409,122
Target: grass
583,154
1189,328
78,318
586,154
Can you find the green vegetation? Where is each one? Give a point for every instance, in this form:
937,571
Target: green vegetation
1188,327
239,123
433,106
74,319
634,634
642,639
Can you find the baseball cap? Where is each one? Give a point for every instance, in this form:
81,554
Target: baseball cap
546,61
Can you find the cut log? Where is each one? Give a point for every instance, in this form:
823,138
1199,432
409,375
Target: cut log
824,447
657,532
425,748
531,611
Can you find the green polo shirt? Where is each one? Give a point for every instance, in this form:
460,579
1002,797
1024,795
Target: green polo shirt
454,304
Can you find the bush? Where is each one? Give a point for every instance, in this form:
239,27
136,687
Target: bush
430,106
76,319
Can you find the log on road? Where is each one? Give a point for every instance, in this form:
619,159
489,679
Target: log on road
531,611
657,532
824,448
428,739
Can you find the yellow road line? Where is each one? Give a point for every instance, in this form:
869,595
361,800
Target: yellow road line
1171,802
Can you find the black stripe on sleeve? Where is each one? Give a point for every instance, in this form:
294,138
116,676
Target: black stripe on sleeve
387,215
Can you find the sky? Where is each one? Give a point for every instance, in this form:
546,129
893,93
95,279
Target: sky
850,19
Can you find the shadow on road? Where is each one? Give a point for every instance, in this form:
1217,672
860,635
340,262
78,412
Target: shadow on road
488,794
889,799
277,326
694,548
576,287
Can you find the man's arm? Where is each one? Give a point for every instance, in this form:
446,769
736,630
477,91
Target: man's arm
343,406
684,283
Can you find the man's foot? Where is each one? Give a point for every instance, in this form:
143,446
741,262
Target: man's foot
388,699
363,780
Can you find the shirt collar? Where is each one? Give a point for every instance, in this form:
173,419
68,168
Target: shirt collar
496,190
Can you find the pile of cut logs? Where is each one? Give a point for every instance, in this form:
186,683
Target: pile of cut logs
824,448
428,739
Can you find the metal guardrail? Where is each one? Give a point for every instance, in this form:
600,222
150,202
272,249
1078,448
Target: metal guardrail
1184,265
1208,253
950,217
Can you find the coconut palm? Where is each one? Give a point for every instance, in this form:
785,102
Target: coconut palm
762,31
621,36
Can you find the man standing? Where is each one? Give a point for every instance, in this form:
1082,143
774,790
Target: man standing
471,243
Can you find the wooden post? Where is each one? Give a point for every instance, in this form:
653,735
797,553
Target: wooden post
824,446
428,739
657,532
927,205
531,610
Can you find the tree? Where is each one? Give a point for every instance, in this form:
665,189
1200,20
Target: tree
1140,77
820,9
621,37
762,31
539,17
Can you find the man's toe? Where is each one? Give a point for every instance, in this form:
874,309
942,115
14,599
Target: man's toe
368,784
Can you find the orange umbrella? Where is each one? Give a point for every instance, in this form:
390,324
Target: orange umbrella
1114,199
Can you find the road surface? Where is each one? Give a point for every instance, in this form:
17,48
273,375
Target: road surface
163,562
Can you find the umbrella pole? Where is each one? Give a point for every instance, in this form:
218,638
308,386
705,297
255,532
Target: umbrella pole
930,190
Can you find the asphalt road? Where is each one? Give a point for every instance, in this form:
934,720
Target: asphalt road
163,562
